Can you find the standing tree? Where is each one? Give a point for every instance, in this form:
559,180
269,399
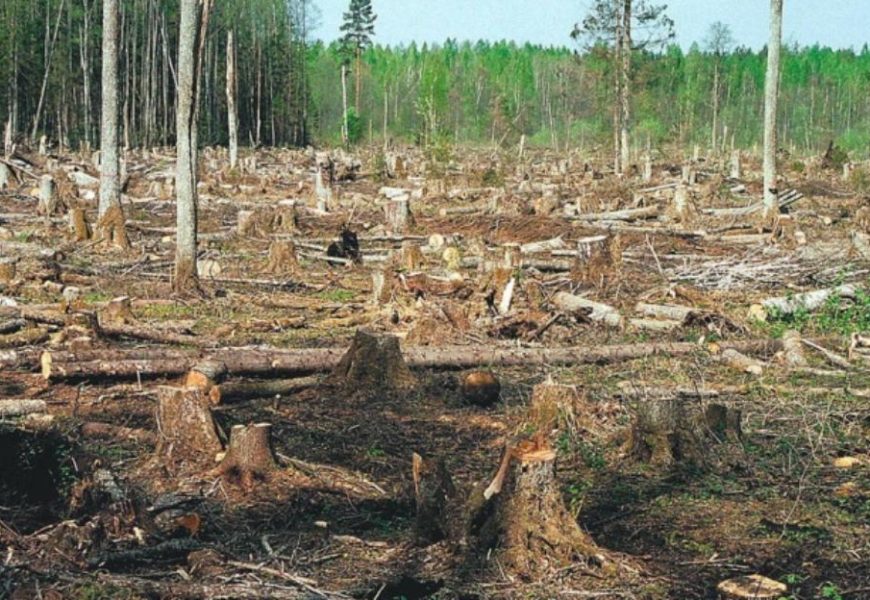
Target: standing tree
191,43
110,189
719,42
771,95
110,227
609,25
232,109
358,28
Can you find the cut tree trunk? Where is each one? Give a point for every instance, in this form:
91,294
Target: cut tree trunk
398,214
17,408
118,311
668,432
282,258
275,362
48,201
79,226
601,313
187,429
267,388
528,528
434,494
374,362
249,460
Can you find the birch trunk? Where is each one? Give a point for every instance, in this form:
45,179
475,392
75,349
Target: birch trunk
231,101
110,189
625,88
771,92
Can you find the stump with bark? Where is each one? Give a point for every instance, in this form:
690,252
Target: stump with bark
187,429
249,459
111,229
48,201
118,311
599,261
527,528
434,494
282,258
373,362
79,226
683,432
398,214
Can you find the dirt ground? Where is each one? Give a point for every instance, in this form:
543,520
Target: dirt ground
339,521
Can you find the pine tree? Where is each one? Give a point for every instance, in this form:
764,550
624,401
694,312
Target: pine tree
358,27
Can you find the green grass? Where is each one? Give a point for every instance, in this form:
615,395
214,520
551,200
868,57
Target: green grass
339,295
837,315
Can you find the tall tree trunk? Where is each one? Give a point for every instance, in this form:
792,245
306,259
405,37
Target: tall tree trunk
714,132
625,89
110,189
358,79
345,134
189,66
232,110
49,52
771,92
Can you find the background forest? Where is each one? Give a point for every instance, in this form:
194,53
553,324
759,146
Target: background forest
289,85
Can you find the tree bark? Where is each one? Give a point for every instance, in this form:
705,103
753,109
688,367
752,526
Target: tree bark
771,96
110,187
249,459
187,430
625,87
232,110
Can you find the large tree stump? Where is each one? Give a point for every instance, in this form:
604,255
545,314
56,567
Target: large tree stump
48,201
249,459
78,225
118,311
4,176
187,429
373,362
599,260
681,431
434,494
529,530
282,258
398,214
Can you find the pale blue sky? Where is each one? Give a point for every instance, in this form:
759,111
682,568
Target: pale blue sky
836,23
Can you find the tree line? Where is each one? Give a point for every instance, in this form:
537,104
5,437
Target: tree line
289,88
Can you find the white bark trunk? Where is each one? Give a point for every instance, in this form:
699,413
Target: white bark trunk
110,188
771,93
186,146
231,101
625,88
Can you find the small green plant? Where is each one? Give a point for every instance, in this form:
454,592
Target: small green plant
375,452
339,295
830,591
836,315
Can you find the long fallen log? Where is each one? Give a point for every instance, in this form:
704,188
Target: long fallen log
629,214
277,363
809,301
17,408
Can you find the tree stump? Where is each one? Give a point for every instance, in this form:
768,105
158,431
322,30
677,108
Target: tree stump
736,172
249,459
47,196
287,218
118,311
282,258
679,431
682,209
373,362
8,269
398,214
434,494
78,225
4,176
756,587
553,405
382,288
599,261
529,530
186,426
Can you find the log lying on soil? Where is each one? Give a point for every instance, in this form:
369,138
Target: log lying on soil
18,408
741,362
631,214
98,430
275,362
809,301
265,388
600,312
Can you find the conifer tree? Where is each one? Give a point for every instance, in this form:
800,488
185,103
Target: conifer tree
358,27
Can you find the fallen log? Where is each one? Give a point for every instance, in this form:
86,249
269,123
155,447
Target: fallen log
18,408
629,214
273,362
602,313
809,301
265,388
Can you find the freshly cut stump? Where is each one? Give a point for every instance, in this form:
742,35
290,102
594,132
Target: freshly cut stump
373,362
118,311
681,431
187,429
249,459
529,530
756,587
434,494
206,376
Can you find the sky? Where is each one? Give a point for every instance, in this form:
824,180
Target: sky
835,23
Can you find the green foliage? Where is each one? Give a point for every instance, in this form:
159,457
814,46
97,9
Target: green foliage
354,126
835,316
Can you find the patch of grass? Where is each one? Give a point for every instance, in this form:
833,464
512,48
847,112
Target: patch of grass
338,295
837,315
94,297
168,311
